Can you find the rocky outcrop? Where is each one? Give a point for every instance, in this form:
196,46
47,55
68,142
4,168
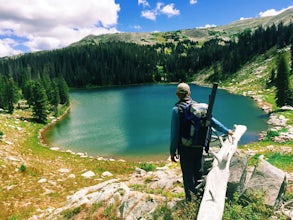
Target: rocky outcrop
134,197
279,126
268,179
131,203
263,177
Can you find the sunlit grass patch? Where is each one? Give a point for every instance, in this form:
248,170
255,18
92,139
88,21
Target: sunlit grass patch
282,161
147,166
289,116
278,154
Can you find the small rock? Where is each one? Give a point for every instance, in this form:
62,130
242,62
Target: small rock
70,151
287,108
82,155
88,174
140,171
106,174
72,176
10,187
43,180
101,158
270,148
63,170
13,158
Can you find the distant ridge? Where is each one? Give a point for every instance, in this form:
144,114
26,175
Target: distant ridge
195,34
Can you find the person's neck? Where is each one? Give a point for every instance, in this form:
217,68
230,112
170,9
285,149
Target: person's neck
186,98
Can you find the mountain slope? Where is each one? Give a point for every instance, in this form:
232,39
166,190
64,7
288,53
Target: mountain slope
195,34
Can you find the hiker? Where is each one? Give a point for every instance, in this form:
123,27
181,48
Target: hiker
190,156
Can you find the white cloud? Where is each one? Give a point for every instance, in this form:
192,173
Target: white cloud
192,2
272,12
144,3
149,14
49,24
168,10
207,26
243,18
6,47
137,27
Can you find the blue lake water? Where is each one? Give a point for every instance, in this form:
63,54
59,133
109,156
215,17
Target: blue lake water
134,122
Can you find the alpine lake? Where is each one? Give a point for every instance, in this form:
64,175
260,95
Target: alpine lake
133,122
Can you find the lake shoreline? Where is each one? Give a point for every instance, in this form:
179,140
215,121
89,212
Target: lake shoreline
42,139
44,142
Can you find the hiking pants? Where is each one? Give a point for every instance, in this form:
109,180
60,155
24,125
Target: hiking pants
191,166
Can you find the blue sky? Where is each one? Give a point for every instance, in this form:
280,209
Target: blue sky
34,25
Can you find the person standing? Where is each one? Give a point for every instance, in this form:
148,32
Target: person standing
190,156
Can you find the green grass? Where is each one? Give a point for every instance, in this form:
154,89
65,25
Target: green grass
68,214
147,166
282,161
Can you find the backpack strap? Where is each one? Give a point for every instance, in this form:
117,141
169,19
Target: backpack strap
182,105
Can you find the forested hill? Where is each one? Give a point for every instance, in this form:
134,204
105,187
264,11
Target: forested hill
174,56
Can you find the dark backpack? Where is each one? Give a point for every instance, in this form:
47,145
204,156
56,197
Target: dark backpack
193,131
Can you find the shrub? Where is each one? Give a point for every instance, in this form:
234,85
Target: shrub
162,212
187,210
22,168
71,213
147,166
108,210
247,206
271,134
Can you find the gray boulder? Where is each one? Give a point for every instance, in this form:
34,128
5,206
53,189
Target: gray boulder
269,180
238,174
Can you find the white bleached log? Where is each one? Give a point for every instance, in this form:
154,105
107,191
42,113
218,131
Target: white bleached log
213,201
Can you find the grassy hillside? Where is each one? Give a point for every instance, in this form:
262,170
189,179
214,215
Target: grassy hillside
33,177
195,34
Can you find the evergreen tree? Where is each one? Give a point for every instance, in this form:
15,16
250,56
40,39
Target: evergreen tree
47,84
27,92
55,100
63,91
9,94
40,103
272,78
12,95
284,94
2,85
291,56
